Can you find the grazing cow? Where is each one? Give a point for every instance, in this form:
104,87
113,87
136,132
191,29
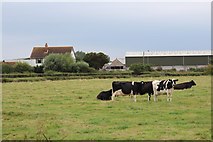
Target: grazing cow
162,87
184,85
126,88
147,88
105,95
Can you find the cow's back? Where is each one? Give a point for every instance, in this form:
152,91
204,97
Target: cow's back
147,87
105,95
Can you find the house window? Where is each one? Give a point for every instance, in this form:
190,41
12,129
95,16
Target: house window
38,61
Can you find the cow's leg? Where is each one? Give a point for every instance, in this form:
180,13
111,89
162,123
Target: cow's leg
113,96
167,94
116,93
171,95
149,97
155,97
134,98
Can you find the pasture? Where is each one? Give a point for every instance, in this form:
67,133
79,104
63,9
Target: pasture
68,110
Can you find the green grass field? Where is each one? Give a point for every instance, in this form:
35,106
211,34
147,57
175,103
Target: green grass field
68,110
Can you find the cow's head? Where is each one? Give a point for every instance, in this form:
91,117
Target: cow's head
170,83
192,82
174,81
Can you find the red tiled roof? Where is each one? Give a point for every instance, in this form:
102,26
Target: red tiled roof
41,52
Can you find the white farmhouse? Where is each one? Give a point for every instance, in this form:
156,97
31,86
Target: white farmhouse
40,52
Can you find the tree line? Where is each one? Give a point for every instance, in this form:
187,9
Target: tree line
84,63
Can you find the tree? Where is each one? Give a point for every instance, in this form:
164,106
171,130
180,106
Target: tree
58,62
80,55
96,60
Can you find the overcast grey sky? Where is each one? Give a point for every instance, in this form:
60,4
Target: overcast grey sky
113,28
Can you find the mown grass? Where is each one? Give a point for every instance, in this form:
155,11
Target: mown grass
68,110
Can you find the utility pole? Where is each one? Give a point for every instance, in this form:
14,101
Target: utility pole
143,57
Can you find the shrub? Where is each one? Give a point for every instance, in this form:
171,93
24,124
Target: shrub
159,68
39,69
172,70
58,62
22,67
208,69
81,67
197,69
138,68
6,68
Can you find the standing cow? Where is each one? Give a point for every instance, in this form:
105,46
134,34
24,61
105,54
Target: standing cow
126,88
162,87
147,87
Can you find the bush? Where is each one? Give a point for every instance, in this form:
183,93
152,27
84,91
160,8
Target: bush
197,69
81,67
39,69
58,62
159,68
138,68
208,69
22,67
171,70
6,68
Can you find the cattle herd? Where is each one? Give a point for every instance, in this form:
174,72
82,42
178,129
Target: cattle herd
155,88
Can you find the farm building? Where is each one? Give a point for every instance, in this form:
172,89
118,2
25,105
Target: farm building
180,60
114,65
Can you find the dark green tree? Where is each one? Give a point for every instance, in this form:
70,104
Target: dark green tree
80,55
96,60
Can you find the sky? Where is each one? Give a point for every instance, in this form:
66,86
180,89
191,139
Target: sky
110,27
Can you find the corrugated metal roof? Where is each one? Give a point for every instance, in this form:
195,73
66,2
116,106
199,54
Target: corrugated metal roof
168,53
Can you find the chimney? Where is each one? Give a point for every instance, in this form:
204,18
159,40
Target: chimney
46,45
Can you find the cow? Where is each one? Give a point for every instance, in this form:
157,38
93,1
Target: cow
105,95
147,87
184,85
126,88
162,87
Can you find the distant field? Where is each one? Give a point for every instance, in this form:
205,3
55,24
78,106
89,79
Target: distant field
68,110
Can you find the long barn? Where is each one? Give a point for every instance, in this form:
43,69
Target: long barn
180,60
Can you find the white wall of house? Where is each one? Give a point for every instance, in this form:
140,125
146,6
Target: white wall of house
34,62
73,55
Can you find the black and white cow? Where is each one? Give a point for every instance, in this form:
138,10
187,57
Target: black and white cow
184,85
147,88
105,95
126,88
163,87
